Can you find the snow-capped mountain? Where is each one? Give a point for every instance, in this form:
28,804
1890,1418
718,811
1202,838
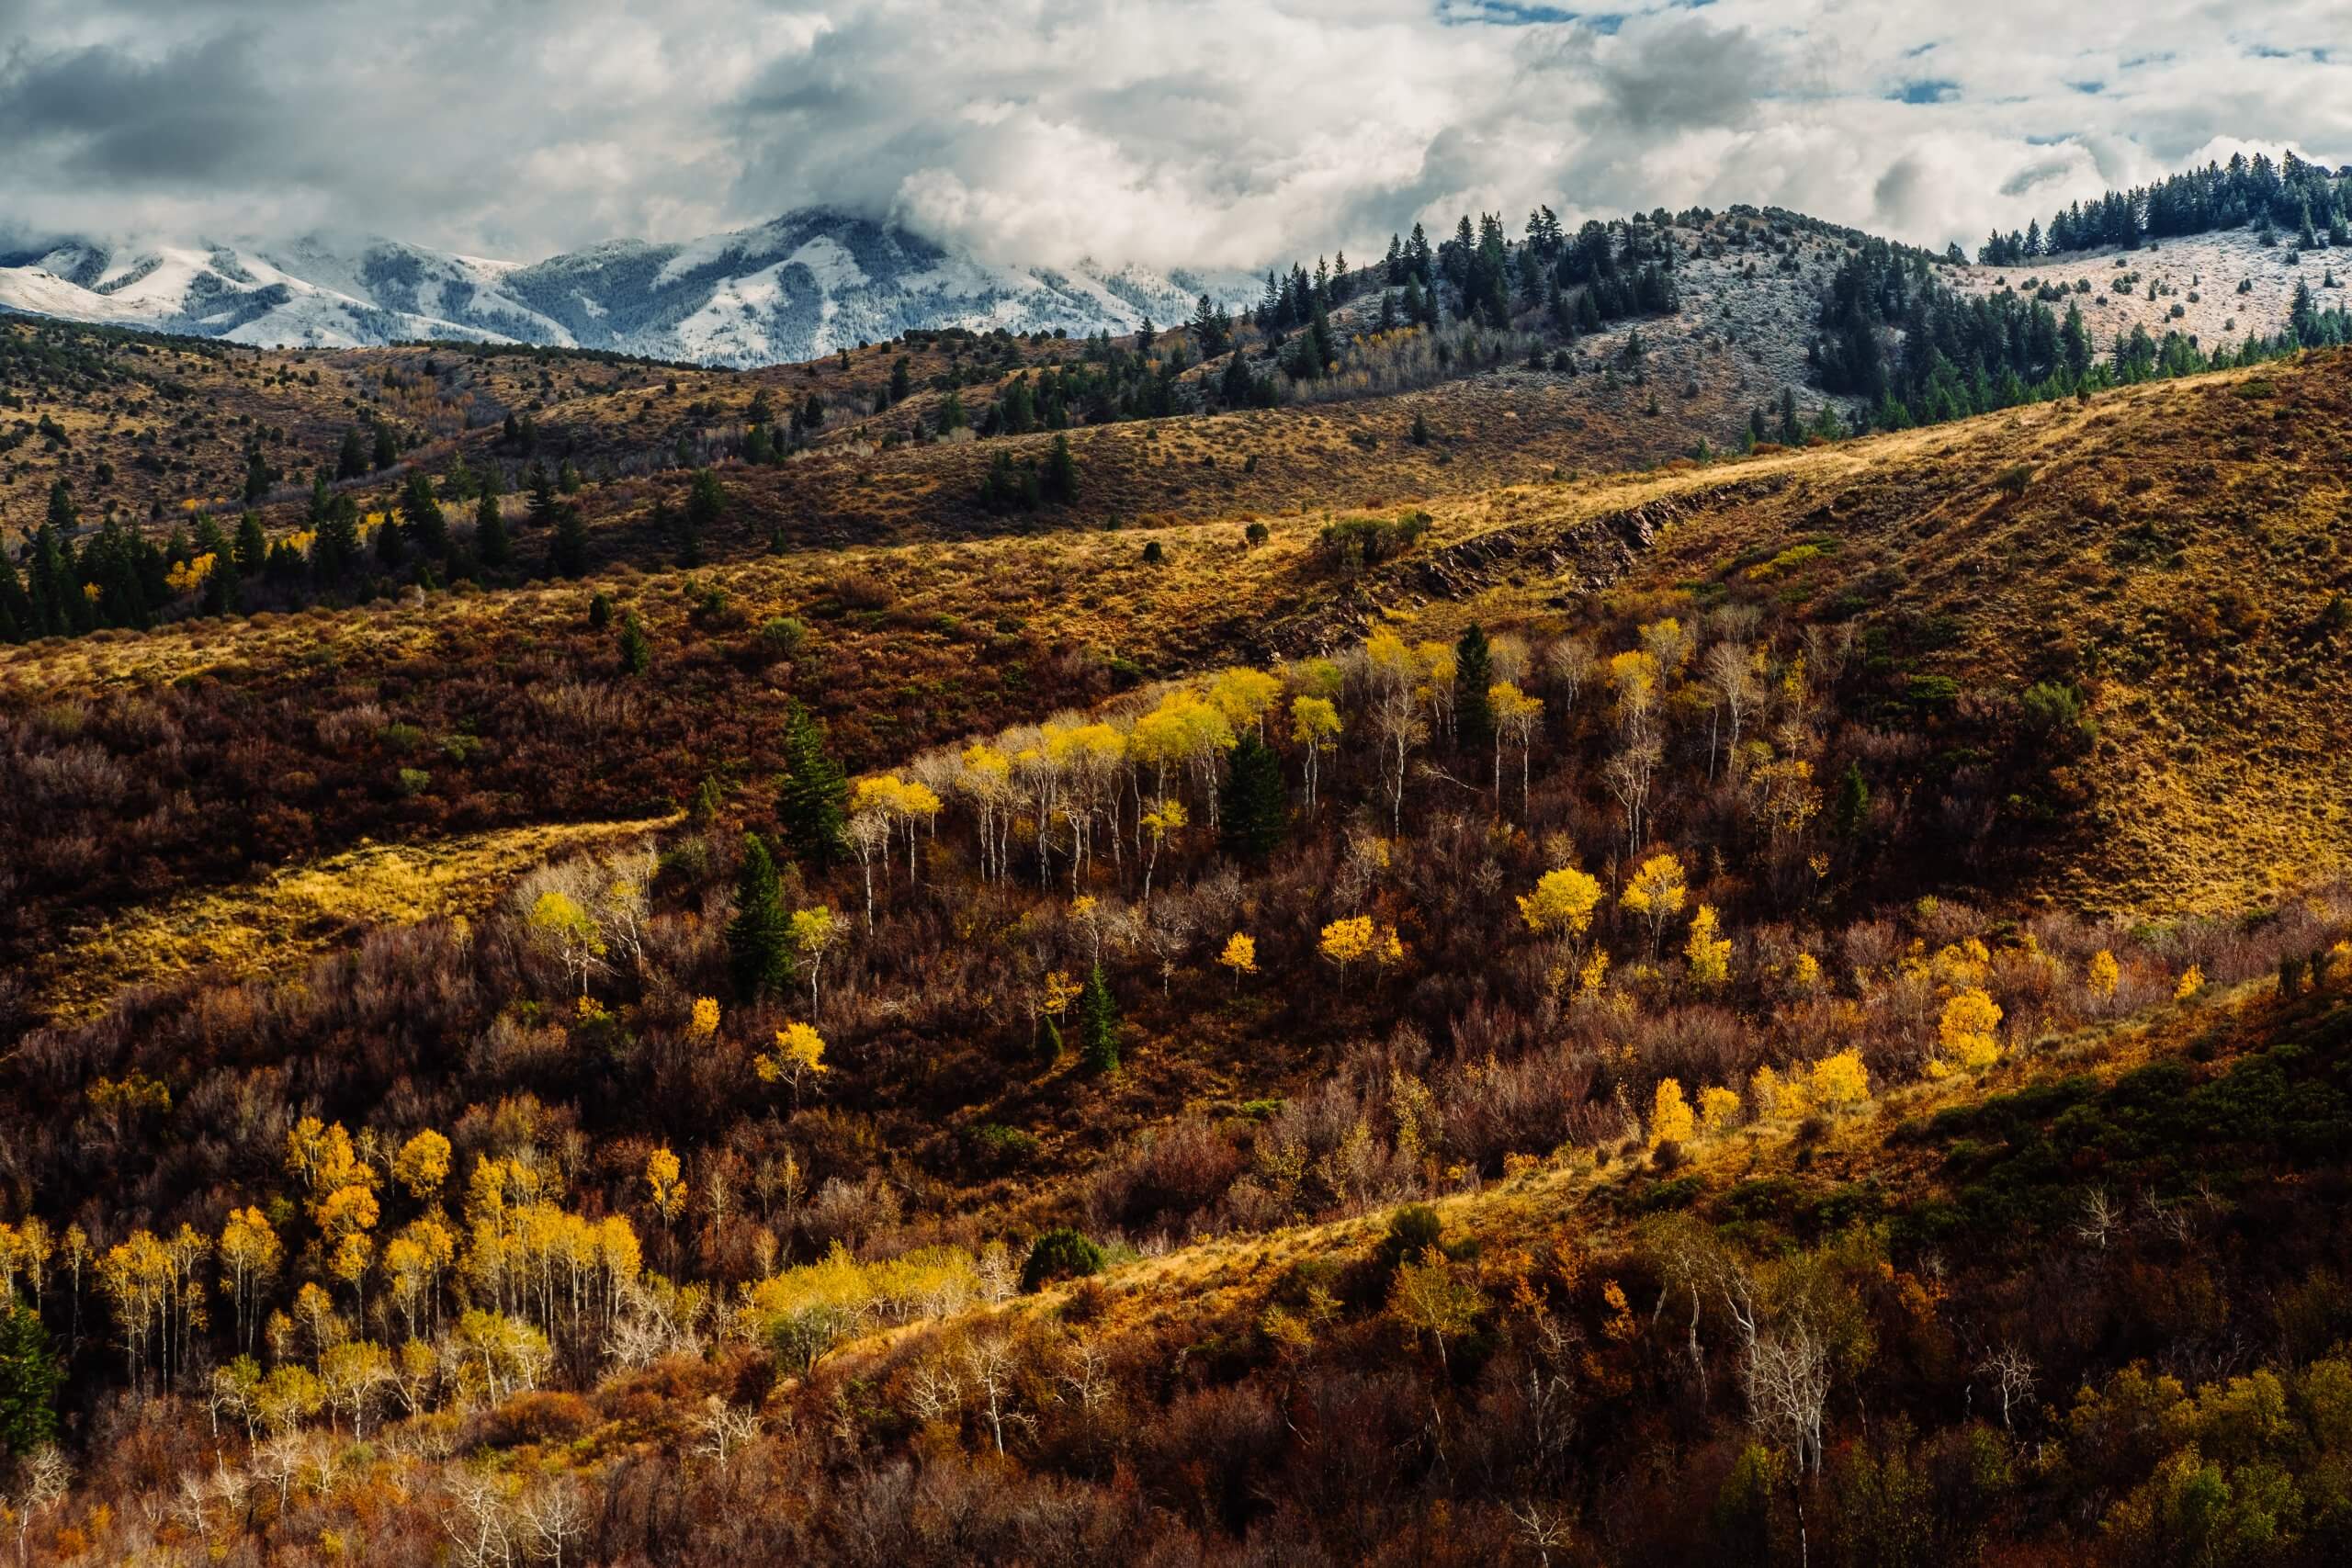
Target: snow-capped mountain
794,288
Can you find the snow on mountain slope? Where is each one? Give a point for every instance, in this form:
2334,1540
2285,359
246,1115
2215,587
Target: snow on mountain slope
794,288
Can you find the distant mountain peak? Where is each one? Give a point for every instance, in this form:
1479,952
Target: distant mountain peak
796,287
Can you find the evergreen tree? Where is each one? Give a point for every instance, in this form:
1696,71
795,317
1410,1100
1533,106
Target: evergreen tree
30,1375
428,528
1252,808
637,654
490,540
568,551
1236,389
705,501
335,550
1853,805
1473,672
1098,1025
1213,327
541,484
388,450
758,937
259,476
253,544
351,460
1060,479
813,804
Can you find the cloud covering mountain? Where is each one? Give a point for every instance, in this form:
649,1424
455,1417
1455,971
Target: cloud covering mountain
1216,132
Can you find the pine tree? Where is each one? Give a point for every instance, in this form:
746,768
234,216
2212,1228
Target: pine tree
335,550
637,653
259,476
813,804
422,512
705,503
30,1375
758,937
253,544
1098,1025
491,541
1853,804
1252,808
1060,481
351,460
568,551
388,450
1236,389
1474,672
541,484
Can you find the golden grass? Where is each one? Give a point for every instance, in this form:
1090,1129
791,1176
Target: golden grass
289,917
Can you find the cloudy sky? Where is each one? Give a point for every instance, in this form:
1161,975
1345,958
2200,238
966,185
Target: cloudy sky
1216,132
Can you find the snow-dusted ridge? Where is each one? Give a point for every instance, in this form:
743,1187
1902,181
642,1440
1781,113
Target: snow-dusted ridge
794,288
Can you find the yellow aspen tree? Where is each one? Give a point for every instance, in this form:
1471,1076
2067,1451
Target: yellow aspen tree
1776,1099
1347,941
1656,895
1670,1118
1395,676
422,1165
702,1022
1709,954
1314,725
1634,677
797,1058
1243,695
2102,976
2191,982
1517,714
987,778
918,808
1439,664
665,1189
1562,904
1718,1108
1669,643
1838,1082
1593,976
564,931
1160,819
1427,1296
1240,956
815,932
1967,1035
250,1253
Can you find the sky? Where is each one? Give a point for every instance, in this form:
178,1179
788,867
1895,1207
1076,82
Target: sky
1213,133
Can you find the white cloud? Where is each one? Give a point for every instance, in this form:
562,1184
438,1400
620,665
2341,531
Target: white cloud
1220,133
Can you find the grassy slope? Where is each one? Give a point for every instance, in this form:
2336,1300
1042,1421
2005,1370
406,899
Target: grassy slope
2174,552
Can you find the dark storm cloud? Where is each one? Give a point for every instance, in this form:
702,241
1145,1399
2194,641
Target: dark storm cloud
196,114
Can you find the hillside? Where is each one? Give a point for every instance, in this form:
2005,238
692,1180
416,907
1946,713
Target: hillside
2216,286
1009,948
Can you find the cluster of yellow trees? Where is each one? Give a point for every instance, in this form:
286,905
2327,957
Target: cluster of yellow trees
1830,1086
1129,781
481,1302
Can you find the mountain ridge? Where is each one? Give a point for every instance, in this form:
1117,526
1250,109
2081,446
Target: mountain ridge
799,287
